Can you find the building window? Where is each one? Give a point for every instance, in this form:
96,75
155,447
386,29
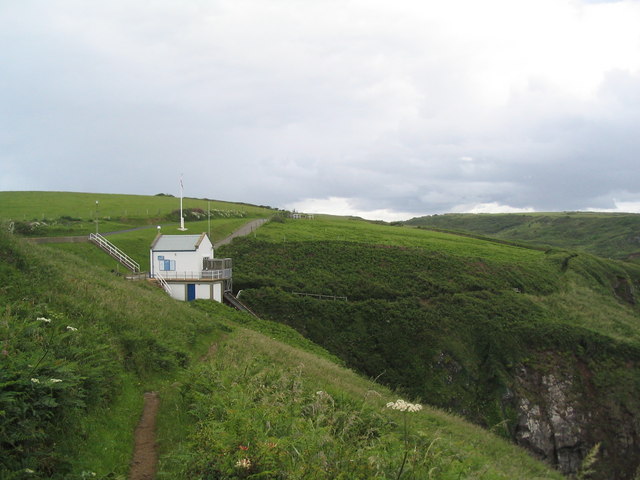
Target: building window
167,265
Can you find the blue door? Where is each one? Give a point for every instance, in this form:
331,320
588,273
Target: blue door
191,291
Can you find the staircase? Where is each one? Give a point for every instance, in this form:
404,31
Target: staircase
115,252
237,304
162,282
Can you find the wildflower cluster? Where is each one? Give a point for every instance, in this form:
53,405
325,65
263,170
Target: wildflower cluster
403,406
51,380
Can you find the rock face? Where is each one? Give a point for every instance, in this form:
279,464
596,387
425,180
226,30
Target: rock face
561,415
552,426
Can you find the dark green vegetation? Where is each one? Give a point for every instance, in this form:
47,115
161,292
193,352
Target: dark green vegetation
495,332
240,397
612,235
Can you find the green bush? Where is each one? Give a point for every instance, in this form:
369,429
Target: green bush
47,380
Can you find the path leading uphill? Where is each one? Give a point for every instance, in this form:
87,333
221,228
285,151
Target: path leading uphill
145,453
246,229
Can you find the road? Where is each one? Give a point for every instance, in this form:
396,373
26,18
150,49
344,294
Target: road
246,229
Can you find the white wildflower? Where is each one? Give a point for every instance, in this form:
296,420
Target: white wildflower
72,329
244,463
404,406
28,470
43,319
35,380
54,380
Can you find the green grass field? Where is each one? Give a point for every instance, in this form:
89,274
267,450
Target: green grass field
40,214
448,320
50,205
252,390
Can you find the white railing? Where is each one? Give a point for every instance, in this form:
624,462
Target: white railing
163,283
195,275
321,297
115,252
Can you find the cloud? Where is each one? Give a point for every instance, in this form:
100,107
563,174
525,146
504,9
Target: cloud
375,106
493,207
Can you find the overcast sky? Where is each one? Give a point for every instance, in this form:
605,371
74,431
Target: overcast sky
379,108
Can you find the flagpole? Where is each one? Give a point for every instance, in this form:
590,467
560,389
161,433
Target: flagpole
181,216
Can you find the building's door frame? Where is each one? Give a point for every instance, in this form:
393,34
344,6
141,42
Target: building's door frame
191,291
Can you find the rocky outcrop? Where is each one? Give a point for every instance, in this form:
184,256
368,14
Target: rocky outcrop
560,415
551,423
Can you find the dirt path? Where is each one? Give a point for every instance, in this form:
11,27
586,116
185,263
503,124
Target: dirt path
145,454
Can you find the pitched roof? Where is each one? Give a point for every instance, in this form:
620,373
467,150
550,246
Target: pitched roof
177,243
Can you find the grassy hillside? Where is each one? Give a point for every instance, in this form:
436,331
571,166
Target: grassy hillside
474,326
610,235
80,345
78,342
64,213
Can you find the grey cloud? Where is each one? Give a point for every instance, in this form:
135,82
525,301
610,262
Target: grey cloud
278,102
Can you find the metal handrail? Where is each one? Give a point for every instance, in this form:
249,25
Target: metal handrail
237,304
163,283
115,252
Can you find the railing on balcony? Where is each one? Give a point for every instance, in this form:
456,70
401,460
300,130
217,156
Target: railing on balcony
195,275
216,263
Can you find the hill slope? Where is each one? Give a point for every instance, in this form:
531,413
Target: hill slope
540,346
65,213
610,235
80,345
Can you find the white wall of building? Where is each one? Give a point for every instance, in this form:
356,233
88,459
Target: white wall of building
185,261
178,291
185,264
204,291
217,292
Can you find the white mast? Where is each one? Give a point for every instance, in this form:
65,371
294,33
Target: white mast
181,216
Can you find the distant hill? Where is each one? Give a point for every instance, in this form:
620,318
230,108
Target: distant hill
609,235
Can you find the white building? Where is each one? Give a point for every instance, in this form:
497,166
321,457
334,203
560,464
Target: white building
184,265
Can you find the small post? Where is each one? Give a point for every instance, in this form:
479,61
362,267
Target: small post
97,217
